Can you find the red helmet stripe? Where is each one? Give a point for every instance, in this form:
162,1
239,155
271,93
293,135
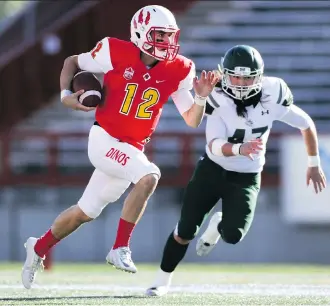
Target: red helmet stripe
147,18
140,20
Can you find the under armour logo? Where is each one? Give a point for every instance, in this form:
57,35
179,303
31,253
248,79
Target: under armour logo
266,112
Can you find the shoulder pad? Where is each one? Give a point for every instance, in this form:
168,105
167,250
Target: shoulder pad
276,91
181,69
181,61
287,97
124,47
214,98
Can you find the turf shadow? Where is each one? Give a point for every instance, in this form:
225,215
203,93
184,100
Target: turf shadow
30,299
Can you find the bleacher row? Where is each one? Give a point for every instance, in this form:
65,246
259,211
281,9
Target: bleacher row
292,36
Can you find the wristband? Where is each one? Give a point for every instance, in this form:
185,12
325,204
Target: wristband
65,92
199,100
216,147
314,161
235,148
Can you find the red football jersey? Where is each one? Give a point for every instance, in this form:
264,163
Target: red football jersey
135,95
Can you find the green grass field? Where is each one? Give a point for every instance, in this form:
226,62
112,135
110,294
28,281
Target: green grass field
100,284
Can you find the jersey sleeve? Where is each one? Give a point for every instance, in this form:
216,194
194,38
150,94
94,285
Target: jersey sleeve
182,97
215,127
100,56
87,63
297,118
289,113
183,100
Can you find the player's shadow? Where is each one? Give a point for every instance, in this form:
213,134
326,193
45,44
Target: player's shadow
35,299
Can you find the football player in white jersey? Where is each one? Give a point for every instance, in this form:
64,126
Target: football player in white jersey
241,113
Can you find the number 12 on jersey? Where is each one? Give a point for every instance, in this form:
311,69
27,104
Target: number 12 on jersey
150,97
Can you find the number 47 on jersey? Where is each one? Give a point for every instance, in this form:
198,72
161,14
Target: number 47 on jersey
239,134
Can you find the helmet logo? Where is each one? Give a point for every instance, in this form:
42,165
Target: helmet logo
242,71
147,18
140,19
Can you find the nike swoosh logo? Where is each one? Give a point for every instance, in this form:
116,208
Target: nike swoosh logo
160,81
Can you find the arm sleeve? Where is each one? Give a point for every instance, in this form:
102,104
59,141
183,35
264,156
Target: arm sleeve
297,118
99,59
183,98
215,128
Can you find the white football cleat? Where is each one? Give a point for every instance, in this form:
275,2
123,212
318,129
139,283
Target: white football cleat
161,285
121,259
157,291
210,237
32,263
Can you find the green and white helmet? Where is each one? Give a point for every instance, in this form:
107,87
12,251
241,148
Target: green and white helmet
242,61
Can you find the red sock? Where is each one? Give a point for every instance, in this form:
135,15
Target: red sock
124,233
45,243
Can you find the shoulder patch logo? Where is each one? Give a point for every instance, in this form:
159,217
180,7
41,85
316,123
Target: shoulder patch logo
128,74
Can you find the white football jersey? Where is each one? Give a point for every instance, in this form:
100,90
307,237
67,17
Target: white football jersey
223,122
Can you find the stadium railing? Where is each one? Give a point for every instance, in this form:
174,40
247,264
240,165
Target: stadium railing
60,159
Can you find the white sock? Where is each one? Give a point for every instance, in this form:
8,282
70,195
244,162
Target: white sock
163,278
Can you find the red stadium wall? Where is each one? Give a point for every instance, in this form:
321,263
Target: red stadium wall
50,172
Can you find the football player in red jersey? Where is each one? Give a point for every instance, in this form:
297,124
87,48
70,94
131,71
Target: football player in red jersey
139,78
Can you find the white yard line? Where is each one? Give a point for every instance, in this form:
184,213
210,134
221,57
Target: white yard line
244,289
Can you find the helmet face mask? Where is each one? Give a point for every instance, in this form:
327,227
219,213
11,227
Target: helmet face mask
159,49
242,68
147,23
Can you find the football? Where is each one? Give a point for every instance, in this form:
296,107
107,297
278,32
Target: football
90,84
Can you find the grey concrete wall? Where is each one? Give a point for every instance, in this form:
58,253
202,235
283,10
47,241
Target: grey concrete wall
29,212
